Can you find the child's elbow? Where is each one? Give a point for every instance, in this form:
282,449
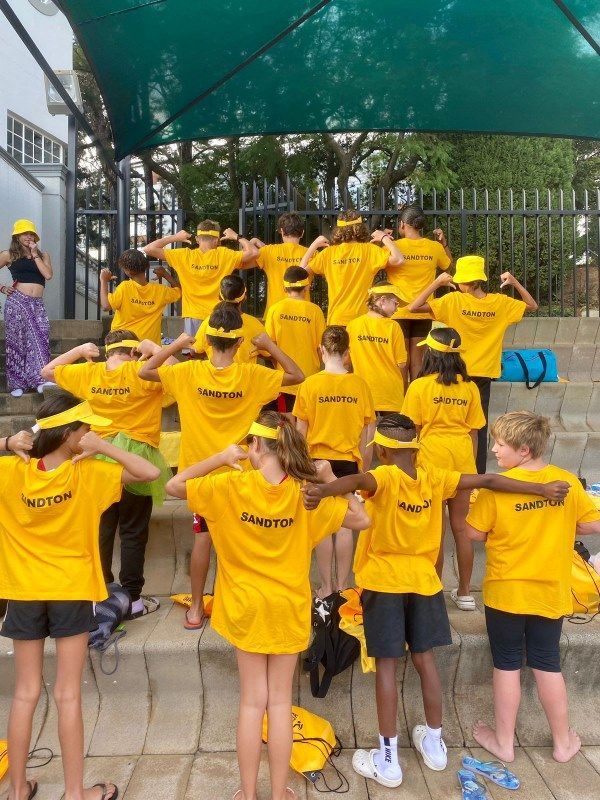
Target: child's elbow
363,521
176,488
152,473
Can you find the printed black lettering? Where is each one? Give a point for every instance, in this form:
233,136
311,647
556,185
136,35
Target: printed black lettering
466,313
363,337
220,395
450,401
337,398
413,508
535,505
137,302
43,502
294,318
110,390
205,266
266,522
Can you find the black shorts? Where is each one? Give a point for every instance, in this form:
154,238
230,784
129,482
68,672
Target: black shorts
341,468
415,328
37,619
394,620
512,635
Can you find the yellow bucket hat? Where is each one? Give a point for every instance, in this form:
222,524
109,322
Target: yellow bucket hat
25,226
469,268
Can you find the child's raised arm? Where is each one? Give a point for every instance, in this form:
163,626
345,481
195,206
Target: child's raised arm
420,305
135,468
230,457
156,249
554,490
149,369
89,351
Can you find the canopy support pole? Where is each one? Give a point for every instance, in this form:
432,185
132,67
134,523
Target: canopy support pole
123,204
71,197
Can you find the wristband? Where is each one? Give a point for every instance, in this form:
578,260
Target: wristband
384,236
7,440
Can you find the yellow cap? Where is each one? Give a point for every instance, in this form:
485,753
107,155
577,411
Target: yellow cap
223,334
80,413
343,223
256,429
391,289
385,441
25,226
235,299
296,284
469,268
132,343
207,233
439,346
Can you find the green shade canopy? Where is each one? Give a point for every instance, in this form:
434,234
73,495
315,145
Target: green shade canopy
171,70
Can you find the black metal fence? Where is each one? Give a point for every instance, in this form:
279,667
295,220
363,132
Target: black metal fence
549,239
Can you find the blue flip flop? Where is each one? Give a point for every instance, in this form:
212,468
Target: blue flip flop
472,787
494,771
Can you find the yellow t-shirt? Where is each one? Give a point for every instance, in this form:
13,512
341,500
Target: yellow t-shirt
529,548
398,552
263,537
140,308
481,324
49,528
376,349
274,259
216,406
422,258
297,326
446,415
349,270
133,405
247,352
337,408
200,275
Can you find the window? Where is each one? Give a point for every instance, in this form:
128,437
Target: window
29,146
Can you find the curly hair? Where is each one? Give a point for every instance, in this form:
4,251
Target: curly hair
350,233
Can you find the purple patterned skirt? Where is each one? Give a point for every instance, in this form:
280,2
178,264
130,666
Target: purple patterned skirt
27,333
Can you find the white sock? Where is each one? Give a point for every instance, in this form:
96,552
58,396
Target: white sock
434,746
137,606
386,758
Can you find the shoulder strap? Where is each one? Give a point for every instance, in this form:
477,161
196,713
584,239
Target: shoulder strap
528,382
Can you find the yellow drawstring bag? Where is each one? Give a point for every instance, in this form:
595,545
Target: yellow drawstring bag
351,621
186,600
3,758
313,747
585,586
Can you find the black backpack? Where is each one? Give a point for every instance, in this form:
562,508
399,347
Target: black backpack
331,647
108,615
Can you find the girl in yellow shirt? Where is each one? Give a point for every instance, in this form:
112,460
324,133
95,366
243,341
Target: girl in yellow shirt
445,406
263,537
50,572
422,258
349,264
333,410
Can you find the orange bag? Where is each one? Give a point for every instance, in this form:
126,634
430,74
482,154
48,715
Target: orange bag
186,601
351,621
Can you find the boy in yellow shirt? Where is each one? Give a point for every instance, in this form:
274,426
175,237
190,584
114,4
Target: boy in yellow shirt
217,399
200,270
138,304
527,584
297,326
481,318
349,263
422,258
402,597
275,259
233,292
114,389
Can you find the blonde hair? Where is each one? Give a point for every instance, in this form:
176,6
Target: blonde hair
290,447
350,233
523,429
335,340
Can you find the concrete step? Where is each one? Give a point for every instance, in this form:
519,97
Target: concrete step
88,330
212,776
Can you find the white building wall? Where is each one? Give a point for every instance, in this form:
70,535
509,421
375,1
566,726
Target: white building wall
22,89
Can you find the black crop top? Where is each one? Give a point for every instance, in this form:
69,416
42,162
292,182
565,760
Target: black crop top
24,270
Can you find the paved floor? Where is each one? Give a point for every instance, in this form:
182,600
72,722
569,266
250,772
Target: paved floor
213,776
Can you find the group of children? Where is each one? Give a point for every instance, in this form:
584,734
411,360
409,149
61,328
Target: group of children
275,461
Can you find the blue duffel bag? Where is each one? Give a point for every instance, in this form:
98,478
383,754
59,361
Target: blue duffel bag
531,367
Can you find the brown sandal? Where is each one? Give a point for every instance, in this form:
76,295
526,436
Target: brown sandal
33,787
105,791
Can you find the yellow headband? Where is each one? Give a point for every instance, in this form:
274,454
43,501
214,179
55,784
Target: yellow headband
384,290
124,343
296,284
208,233
385,441
256,429
79,413
235,300
343,223
223,334
441,348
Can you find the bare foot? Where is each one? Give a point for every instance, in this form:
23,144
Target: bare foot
564,754
101,791
29,791
486,737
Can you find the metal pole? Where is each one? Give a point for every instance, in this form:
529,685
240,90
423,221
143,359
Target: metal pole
123,204
70,249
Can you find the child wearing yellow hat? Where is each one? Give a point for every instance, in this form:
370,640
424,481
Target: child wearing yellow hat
422,258
263,537
349,263
137,303
481,318
27,329
297,326
378,352
275,259
402,597
445,406
200,269
51,574
232,291
217,400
